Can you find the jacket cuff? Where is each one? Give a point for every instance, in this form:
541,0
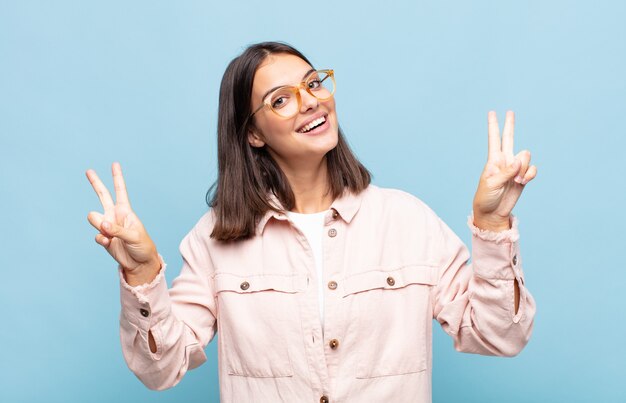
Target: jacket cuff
510,235
495,255
146,304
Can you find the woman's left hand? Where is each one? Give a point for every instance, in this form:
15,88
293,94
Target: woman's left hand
503,179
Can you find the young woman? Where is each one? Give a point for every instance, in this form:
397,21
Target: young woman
321,286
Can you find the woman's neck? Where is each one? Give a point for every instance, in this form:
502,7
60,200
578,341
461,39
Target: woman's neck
310,188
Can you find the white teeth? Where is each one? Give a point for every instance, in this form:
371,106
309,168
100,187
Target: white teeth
314,123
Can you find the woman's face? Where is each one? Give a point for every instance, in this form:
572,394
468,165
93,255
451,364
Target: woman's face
284,137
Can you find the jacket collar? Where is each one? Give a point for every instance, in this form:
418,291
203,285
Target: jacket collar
346,205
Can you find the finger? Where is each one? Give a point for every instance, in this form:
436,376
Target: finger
524,157
102,240
121,196
530,174
111,229
510,171
95,219
101,190
504,175
494,134
507,134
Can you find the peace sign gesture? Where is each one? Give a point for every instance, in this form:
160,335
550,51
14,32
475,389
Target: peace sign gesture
504,177
121,232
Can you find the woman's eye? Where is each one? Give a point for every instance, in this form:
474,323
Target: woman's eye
313,84
279,102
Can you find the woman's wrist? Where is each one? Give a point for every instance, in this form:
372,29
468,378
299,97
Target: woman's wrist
490,223
143,275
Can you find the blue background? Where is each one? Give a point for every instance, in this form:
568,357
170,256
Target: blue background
83,84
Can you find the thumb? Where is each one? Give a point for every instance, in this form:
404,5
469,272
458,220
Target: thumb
510,171
111,229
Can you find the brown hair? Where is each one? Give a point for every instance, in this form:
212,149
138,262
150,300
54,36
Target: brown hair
247,174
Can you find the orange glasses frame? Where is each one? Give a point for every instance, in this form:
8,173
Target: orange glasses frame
296,91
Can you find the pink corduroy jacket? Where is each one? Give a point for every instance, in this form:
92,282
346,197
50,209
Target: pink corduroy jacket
390,266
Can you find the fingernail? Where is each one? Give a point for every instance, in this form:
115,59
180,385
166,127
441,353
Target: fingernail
106,225
518,179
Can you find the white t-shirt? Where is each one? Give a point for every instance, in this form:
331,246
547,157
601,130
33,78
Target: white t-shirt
312,225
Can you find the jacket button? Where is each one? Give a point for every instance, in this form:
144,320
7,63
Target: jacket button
514,260
332,232
324,399
334,343
391,281
144,313
335,213
245,285
332,285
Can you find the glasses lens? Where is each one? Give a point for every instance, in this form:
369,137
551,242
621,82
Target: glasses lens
284,102
321,84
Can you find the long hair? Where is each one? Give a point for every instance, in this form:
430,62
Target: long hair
247,174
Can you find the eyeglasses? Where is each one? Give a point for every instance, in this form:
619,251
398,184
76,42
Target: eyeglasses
286,101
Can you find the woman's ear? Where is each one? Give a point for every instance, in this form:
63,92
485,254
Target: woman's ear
255,138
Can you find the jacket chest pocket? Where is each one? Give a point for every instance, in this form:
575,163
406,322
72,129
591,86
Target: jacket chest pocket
257,316
394,316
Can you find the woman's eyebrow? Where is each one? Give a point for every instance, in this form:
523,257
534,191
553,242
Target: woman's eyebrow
277,87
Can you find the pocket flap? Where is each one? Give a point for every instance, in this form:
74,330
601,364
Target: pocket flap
390,278
260,282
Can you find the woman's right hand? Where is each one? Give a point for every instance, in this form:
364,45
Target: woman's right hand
121,233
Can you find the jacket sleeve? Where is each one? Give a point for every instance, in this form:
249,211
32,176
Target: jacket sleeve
475,303
182,319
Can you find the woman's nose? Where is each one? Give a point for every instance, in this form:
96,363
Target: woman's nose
308,101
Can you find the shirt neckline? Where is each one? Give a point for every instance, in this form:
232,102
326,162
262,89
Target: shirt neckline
319,213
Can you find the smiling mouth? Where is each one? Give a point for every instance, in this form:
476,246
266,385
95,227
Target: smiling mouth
316,123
